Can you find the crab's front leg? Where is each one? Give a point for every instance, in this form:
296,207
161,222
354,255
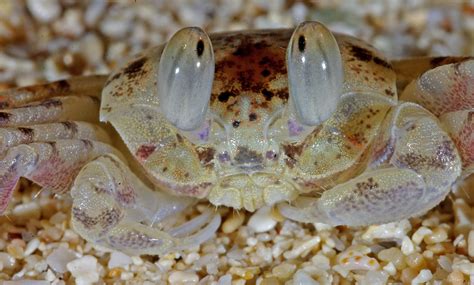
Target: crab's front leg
112,207
414,163
47,141
413,166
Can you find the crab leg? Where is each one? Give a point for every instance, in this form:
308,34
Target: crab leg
76,86
448,92
50,164
413,165
410,69
112,207
14,136
77,108
444,89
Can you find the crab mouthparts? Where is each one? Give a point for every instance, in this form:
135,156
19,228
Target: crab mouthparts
252,191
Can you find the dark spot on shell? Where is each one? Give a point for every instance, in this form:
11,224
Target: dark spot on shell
293,150
63,85
50,103
224,96
144,151
135,67
180,138
53,146
252,116
236,124
361,54
264,60
244,49
88,144
265,72
114,77
436,61
4,105
206,155
382,62
267,94
28,133
283,94
389,92
70,126
4,117
262,45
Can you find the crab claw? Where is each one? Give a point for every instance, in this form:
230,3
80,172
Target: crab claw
112,207
412,167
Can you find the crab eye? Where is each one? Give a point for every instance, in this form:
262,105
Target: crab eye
315,72
185,76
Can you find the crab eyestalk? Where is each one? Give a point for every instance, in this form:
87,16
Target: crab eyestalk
315,72
185,76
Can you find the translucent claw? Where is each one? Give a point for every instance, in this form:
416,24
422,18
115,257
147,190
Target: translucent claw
112,207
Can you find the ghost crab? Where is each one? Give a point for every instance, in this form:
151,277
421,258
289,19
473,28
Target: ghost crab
302,119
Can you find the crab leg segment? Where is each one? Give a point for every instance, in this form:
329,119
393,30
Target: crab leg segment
14,136
410,69
448,91
112,207
460,125
52,110
413,166
444,89
76,86
52,165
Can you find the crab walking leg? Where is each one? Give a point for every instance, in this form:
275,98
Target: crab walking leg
410,69
50,164
112,207
412,168
448,92
444,89
78,108
13,136
75,86
460,126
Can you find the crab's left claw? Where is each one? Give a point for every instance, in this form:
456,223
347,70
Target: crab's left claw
112,207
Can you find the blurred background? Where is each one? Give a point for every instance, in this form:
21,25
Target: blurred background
44,40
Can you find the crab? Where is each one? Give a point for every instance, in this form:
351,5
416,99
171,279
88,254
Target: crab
319,125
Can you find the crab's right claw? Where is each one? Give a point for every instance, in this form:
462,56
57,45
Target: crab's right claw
112,207
448,92
413,165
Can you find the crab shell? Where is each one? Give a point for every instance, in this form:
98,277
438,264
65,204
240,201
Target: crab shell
251,150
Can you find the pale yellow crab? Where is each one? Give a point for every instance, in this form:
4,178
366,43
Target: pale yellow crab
303,120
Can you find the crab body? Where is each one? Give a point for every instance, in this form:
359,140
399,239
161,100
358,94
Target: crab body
232,122
250,152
